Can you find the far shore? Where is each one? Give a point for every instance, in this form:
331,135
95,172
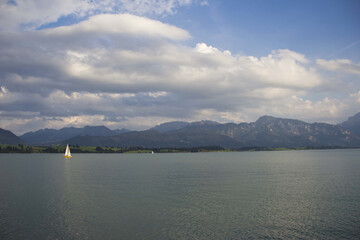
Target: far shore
89,149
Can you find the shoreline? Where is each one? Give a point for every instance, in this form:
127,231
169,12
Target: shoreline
88,149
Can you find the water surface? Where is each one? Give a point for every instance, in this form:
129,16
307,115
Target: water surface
235,195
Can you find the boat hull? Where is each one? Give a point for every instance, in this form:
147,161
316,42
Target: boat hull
67,156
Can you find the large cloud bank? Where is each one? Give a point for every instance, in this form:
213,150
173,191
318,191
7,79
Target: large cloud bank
123,70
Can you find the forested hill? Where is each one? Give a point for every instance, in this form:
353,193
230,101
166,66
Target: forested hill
7,137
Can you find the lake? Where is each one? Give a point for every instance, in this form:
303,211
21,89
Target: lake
312,194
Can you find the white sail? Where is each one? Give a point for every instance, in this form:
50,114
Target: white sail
67,151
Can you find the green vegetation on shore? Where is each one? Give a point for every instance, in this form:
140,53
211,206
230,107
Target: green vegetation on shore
87,149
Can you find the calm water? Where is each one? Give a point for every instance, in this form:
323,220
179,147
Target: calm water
260,195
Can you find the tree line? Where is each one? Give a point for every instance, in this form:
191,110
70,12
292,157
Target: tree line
20,148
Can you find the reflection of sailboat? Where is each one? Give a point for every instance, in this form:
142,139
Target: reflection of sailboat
67,152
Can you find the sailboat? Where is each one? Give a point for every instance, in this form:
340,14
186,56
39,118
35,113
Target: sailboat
67,152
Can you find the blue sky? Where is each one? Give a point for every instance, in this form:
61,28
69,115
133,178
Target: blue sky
317,29
135,64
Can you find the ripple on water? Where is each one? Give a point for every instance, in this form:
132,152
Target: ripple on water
267,195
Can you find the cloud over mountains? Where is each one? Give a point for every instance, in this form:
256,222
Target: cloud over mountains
133,71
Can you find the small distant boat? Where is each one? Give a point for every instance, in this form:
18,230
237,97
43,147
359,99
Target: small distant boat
67,152
152,152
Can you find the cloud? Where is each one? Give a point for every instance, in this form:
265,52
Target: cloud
120,24
340,65
155,6
283,68
122,70
3,90
30,14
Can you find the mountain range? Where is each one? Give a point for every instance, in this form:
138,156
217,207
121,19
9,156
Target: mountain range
47,136
7,137
267,131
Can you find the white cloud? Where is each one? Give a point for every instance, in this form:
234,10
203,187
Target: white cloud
34,13
129,71
283,68
272,93
30,14
153,6
203,48
340,65
3,90
123,24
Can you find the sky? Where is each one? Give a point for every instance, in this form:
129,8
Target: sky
135,64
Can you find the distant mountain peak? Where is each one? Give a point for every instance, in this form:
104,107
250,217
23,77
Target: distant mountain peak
352,124
94,127
267,119
355,118
204,122
170,126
